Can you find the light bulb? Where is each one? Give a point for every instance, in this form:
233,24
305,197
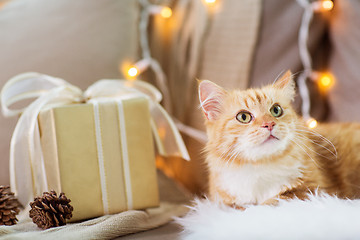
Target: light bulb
327,5
312,123
323,5
163,11
211,5
132,72
325,81
166,12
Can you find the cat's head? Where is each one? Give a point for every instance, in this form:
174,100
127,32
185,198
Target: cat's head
252,124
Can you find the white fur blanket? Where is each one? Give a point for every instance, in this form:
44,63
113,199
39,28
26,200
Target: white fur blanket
321,217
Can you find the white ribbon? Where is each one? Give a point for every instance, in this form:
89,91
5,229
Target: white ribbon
100,153
26,159
125,155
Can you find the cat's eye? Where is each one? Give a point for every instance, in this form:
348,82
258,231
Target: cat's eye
276,110
244,117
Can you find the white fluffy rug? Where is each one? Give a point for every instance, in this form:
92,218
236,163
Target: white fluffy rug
321,217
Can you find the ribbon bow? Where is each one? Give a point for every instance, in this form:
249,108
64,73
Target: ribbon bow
51,92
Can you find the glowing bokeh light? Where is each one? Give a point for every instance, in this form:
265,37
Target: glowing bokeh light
325,81
166,12
312,123
327,5
209,2
132,72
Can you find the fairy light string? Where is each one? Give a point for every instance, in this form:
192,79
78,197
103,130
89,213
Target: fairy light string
147,60
325,81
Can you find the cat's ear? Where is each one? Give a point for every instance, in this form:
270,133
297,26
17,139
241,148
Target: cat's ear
211,97
286,83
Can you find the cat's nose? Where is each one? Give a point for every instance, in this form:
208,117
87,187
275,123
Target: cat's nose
269,125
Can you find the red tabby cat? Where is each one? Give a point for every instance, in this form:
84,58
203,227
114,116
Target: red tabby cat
260,150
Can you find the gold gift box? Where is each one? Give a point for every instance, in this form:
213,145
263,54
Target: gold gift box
70,150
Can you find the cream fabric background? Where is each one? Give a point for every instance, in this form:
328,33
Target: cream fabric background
345,61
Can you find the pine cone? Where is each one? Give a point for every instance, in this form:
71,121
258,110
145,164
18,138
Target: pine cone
50,211
9,207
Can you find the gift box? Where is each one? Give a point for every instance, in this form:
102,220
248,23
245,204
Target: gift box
95,146
105,170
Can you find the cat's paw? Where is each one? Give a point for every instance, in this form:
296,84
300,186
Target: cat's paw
237,207
271,201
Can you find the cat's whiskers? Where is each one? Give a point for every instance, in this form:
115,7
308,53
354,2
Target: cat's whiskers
233,156
354,185
255,136
234,153
319,154
301,136
228,153
318,144
318,135
306,129
236,156
301,147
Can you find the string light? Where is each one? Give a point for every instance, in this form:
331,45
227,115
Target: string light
323,5
324,81
132,72
327,5
166,12
136,69
160,78
311,123
210,4
163,11
305,58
